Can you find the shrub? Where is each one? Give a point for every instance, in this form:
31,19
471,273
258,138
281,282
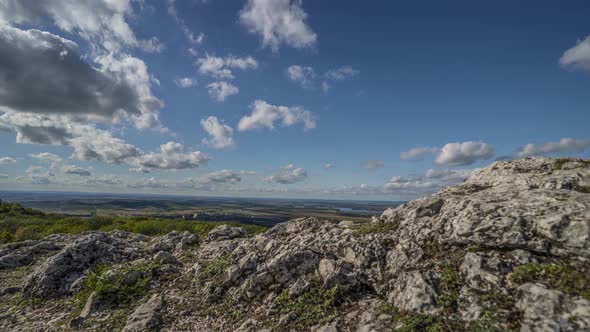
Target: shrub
312,307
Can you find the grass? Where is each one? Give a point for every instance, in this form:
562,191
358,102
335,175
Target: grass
312,307
566,278
110,286
214,268
19,224
450,284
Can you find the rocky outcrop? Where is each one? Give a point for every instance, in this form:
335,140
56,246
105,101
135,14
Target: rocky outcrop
507,249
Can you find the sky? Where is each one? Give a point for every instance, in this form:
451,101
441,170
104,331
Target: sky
342,99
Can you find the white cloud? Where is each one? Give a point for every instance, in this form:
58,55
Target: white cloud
46,156
244,172
193,38
448,174
328,166
221,90
185,82
373,164
75,170
287,175
418,153
577,57
100,22
3,176
218,180
563,145
104,180
307,78
7,160
221,68
171,157
264,115
342,73
46,74
278,22
221,135
301,74
465,153
148,183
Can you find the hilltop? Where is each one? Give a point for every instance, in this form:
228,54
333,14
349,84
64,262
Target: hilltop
508,249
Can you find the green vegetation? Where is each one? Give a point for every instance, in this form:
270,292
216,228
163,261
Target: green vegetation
375,227
19,224
116,287
450,283
567,278
406,322
214,268
312,307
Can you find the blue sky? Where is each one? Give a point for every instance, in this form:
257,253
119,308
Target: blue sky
325,99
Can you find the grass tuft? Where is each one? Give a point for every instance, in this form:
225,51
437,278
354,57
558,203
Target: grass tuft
566,278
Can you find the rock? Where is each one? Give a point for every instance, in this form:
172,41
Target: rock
413,292
164,257
539,306
55,276
14,260
86,311
173,241
225,232
146,316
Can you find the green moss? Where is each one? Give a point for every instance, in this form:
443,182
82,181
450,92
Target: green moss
312,307
375,227
112,288
573,280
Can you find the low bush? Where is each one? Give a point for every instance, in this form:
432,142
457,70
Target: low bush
19,224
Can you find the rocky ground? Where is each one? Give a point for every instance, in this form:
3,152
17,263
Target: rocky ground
506,250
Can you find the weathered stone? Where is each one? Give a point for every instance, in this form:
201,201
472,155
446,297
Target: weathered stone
146,316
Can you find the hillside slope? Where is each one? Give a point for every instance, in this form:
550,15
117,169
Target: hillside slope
508,249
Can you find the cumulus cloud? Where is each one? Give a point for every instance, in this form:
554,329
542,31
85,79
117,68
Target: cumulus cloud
244,172
46,156
104,180
287,175
328,166
221,135
3,176
221,68
373,164
278,22
448,174
577,57
45,74
418,153
465,153
305,76
7,160
563,145
75,170
100,22
171,157
264,115
147,183
185,82
221,90
212,181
